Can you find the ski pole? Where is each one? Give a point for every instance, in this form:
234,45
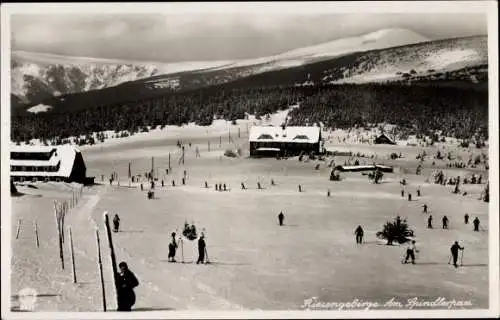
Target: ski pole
182,250
449,259
206,253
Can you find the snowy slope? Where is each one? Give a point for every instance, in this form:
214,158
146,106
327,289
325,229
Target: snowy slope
376,40
429,59
36,76
40,75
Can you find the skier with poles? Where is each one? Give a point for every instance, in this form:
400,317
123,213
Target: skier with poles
410,252
425,208
172,247
445,222
454,253
201,249
359,235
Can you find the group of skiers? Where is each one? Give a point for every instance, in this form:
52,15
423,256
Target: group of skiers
202,248
476,222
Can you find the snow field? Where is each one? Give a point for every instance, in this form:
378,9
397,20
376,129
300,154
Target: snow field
255,264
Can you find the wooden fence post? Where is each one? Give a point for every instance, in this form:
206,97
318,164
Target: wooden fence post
72,254
36,235
58,227
112,254
101,274
18,228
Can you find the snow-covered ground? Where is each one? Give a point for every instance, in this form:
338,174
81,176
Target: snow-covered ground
39,108
255,264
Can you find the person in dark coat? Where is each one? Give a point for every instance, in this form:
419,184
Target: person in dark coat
454,252
418,192
445,222
201,249
359,234
172,247
429,222
409,196
425,208
281,218
126,282
116,223
476,224
466,218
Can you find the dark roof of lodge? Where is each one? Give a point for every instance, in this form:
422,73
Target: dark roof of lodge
384,139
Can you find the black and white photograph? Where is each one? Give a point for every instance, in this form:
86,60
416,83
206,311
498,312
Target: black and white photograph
250,160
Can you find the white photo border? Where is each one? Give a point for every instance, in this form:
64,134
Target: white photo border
490,8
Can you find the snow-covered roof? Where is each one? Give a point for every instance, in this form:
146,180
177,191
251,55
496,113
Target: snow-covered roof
290,134
63,155
268,149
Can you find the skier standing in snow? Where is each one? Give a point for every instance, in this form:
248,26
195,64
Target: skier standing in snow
476,224
429,222
201,249
116,223
445,222
466,218
454,252
359,234
172,247
281,218
127,281
410,252
425,208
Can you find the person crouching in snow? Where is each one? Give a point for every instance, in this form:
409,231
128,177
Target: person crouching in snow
127,281
172,247
410,252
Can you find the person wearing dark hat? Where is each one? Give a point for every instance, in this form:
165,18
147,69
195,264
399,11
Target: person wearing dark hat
127,281
172,247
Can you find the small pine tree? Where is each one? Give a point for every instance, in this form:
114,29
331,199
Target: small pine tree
394,231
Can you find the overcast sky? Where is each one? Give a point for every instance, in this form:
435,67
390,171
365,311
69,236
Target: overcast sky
216,36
